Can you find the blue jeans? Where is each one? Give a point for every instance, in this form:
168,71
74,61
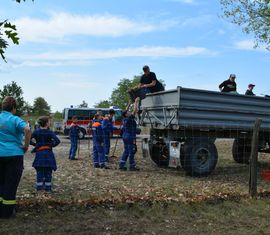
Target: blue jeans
98,154
107,146
73,147
128,153
44,178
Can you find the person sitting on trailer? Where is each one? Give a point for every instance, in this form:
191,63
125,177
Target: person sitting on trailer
148,84
229,85
74,136
98,143
250,90
129,130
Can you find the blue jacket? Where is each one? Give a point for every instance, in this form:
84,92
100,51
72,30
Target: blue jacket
129,128
107,126
45,140
74,131
97,132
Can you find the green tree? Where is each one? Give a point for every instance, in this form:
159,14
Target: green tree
41,107
16,91
8,30
120,95
58,115
103,104
27,108
252,16
83,104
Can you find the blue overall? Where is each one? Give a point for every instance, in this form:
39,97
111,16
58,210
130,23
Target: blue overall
107,127
73,136
98,145
129,137
44,161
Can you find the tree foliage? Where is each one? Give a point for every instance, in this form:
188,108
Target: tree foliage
41,107
253,16
103,104
58,115
83,104
120,95
16,91
8,30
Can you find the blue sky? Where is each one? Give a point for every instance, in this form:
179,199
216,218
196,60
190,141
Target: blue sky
72,51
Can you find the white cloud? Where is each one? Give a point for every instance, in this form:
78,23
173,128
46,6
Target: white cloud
79,57
75,83
184,1
61,25
244,45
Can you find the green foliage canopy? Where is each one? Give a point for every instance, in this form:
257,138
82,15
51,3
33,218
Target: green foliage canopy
120,95
41,107
16,91
253,16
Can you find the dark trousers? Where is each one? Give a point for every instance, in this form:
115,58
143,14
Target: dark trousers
44,178
73,147
98,154
11,169
107,146
128,153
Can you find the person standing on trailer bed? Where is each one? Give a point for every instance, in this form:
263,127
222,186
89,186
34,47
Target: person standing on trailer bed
249,91
229,85
12,151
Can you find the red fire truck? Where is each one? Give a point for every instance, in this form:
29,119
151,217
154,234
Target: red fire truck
85,117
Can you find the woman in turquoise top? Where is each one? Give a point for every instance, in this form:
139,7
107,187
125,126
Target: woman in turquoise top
12,151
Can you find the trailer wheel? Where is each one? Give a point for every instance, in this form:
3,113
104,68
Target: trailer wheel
241,150
159,153
200,157
82,133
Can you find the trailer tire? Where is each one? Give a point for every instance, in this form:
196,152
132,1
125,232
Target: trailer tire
159,154
241,150
82,133
199,157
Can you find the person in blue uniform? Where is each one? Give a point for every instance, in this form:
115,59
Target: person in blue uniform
73,136
129,130
44,140
98,143
12,152
108,127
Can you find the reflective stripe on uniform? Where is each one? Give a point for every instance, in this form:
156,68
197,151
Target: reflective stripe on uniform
39,184
48,184
9,202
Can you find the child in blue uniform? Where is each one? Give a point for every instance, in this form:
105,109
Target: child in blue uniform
108,127
98,143
73,136
44,140
129,130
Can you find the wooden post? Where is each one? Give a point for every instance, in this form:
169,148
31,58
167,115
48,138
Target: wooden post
254,159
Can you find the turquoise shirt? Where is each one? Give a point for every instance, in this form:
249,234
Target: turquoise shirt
11,135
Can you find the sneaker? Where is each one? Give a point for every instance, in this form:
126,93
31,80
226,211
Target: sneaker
134,168
123,168
104,167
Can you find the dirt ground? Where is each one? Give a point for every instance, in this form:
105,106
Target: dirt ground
144,202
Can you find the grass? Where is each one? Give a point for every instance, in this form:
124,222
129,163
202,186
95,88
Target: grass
151,201
221,217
